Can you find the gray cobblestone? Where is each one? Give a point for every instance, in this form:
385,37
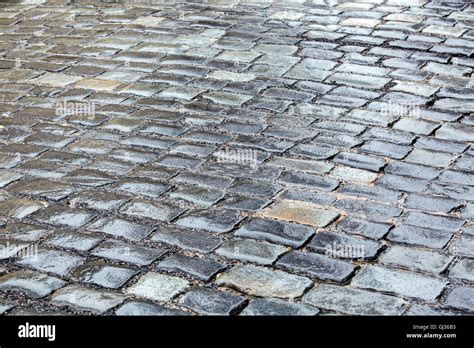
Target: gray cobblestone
261,281
32,283
340,245
413,259
196,241
198,268
53,261
362,302
461,298
463,246
318,266
149,309
250,133
399,282
117,250
211,302
104,275
94,300
259,307
74,241
276,231
158,287
156,210
250,250
219,221
463,270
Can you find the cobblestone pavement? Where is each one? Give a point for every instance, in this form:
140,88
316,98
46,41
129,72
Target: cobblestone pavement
237,157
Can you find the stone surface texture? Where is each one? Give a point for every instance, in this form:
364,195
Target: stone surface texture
233,157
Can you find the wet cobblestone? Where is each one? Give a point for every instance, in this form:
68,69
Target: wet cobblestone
237,157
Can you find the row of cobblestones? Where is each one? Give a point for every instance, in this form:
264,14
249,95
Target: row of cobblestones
229,157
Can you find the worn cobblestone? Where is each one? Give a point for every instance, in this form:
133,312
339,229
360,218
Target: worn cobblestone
219,143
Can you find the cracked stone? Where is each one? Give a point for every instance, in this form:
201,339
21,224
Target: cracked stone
8,177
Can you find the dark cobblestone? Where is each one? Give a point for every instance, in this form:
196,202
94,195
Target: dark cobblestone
335,244
360,161
277,307
197,268
219,221
318,266
205,301
196,240
276,231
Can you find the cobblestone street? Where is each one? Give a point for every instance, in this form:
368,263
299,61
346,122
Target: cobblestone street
255,157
